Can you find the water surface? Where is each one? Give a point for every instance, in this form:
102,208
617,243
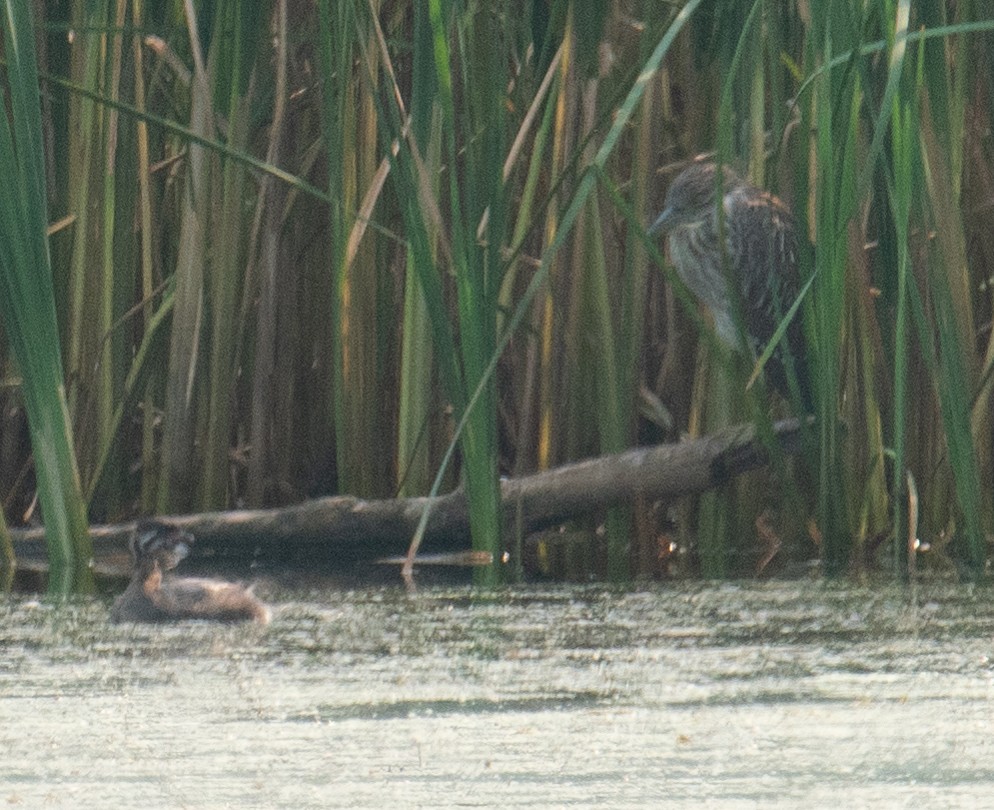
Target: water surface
775,695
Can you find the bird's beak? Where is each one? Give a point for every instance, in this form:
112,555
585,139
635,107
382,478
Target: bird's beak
663,222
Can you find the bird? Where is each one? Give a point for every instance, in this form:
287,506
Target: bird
157,547
759,258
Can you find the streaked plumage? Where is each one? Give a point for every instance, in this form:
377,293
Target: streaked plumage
761,253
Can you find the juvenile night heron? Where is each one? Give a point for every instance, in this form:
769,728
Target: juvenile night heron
758,263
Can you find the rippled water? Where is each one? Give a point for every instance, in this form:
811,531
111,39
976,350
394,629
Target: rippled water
774,695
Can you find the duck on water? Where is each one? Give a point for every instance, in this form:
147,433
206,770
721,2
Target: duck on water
155,595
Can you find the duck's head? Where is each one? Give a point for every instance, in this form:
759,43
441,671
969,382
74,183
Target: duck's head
158,541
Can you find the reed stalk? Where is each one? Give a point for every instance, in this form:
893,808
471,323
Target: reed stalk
27,306
304,258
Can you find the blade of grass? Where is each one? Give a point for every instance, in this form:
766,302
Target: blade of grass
27,306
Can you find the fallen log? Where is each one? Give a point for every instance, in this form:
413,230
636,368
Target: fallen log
342,531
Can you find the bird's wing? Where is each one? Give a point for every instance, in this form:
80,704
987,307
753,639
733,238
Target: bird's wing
763,245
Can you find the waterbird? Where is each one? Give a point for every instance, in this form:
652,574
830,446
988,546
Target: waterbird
755,266
154,595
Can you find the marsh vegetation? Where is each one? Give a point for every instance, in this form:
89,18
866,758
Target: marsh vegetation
308,247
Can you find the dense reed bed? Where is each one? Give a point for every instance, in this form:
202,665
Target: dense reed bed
305,247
